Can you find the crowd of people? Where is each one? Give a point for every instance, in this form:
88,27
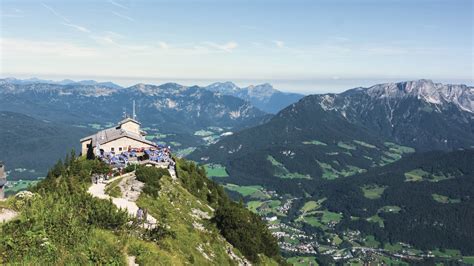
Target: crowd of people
159,154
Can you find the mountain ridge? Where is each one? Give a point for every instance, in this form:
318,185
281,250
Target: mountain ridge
263,96
421,113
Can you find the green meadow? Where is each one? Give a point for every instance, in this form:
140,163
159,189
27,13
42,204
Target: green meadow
215,170
373,191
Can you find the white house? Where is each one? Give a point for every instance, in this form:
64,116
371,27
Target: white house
125,135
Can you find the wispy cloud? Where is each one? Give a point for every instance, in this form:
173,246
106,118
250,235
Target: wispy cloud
226,47
117,4
57,14
14,13
29,48
123,16
163,45
77,27
108,38
65,20
279,44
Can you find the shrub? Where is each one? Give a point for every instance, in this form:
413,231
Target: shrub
151,177
246,231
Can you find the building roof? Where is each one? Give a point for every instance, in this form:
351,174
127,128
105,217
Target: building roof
111,134
128,119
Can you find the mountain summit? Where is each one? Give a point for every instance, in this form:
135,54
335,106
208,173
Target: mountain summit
435,93
420,114
262,96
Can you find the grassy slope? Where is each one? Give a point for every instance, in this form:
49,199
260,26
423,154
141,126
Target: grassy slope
174,209
63,224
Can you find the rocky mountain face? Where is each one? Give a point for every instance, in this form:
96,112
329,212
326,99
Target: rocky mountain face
262,96
421,114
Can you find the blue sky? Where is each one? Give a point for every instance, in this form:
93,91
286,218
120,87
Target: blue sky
305,46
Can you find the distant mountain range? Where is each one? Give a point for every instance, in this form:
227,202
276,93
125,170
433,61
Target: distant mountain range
263,96
62,82
170,106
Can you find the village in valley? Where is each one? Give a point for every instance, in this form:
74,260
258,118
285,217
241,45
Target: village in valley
302,248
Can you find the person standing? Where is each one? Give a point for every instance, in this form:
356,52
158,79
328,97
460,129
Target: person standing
140,215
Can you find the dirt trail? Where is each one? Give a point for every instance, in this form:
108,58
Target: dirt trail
98,191
7,215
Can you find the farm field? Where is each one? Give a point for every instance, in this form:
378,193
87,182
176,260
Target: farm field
416,175
282,172
330,173
302,261
444,199
243,190
315,142
185,152
373,191
345,145
365,144
215,170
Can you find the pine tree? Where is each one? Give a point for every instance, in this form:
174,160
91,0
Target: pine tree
90,152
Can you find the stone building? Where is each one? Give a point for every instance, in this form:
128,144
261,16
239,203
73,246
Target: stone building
127,134
3,180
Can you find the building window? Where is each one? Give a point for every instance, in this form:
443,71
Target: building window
112,149
120,148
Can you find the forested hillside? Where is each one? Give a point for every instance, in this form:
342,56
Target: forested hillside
298,147
32,146
60,223
424,200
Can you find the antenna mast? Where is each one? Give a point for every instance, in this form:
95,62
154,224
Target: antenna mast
134,116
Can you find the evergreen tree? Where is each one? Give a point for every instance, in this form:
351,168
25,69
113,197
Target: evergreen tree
90,152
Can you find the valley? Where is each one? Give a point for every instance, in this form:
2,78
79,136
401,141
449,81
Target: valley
318,227
333,191
331,187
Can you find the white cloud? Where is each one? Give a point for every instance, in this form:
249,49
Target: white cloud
108,38
117,4
226,47
77,27
279,44
123,16
163,45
